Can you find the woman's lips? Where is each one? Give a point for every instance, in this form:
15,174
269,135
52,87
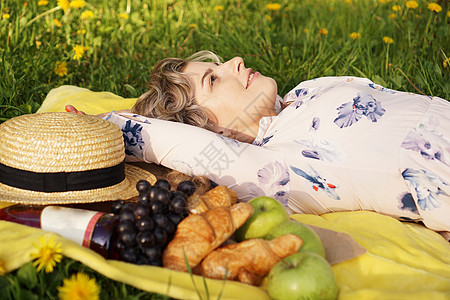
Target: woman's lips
251,77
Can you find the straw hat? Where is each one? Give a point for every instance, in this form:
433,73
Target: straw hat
61,158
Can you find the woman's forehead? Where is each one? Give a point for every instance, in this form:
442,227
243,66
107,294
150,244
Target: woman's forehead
197,67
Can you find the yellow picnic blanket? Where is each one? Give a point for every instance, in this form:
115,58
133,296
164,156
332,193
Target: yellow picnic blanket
404,261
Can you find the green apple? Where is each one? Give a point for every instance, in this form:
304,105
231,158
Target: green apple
302,275
267,213
311,241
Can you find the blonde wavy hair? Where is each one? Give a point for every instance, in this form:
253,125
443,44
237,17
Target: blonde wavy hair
171,97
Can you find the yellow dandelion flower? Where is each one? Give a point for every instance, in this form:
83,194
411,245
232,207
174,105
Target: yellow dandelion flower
218,8
42,2
306,30
448,13
434,7
396,8
392,16
79,51
60,69
268,18
446,62
81,31
64,4
348,1
388,40
87,14
412,4
323,31
49,253
192,26
6,16
382,1
355,35
77,3
79,287
124,16
38,44
57,23
273,6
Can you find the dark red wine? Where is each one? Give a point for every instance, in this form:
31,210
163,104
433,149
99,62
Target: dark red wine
90,229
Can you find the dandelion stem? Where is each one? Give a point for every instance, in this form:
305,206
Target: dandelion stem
43,14
387,58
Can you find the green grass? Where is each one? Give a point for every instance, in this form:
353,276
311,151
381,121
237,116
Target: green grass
285,44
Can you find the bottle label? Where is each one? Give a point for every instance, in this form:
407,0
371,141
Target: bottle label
74,224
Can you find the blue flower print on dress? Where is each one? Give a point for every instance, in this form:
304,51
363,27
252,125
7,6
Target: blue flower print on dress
132,138
318,183
274,179
381,88
363,105
427,187
301,92
407,203
427,140
318,148
264,141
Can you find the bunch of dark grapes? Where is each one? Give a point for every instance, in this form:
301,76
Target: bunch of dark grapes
146,227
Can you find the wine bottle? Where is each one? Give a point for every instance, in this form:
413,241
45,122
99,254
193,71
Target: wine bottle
90,229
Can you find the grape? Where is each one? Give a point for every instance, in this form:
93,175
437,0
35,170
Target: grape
159,194
175,218
170,228
177,205
129,255
160,236
187,187
163,183
145,224
157,263
178,194
144,198
117,206
145,239
160,220
118,245
153,253
129,205
143,186
128,237
142,260
125,226
157,207
126,214
141,211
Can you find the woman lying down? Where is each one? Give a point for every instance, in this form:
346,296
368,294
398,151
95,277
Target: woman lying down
330,144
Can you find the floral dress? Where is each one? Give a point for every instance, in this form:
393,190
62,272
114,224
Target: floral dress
341,144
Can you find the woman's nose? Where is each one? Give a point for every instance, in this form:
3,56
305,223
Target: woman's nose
236,64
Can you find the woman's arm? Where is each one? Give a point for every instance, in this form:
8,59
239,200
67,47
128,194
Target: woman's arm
248,169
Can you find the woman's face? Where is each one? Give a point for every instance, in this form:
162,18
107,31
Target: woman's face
237,96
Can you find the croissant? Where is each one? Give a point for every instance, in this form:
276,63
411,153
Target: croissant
199,234
220,196
250,260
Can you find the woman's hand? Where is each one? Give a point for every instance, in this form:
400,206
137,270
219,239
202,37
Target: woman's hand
72,109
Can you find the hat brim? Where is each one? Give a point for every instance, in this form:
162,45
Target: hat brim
121,191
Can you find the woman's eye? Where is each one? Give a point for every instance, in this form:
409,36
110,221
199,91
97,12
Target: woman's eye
212,79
